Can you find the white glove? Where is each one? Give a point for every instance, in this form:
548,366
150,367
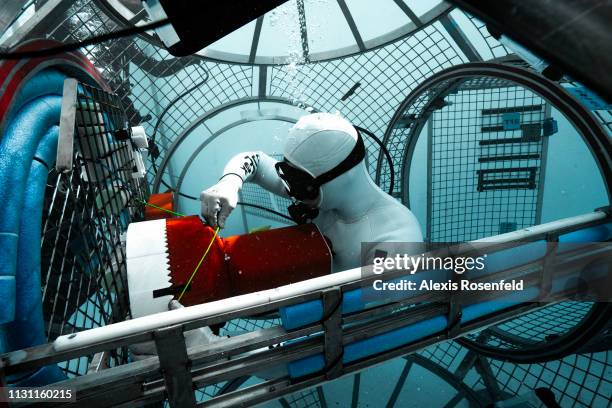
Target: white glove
219,200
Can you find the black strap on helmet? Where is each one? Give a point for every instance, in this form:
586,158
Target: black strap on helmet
354,158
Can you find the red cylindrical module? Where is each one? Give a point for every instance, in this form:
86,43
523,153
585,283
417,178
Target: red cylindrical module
276,257
188,238
243,263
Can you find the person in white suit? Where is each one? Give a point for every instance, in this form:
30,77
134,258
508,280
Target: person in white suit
323,171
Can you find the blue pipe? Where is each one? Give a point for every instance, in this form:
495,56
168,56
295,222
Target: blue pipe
377,344
300,315
17,148
28,329
29,130
45,82
420,330
404,335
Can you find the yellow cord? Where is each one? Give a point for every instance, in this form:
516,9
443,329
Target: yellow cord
199,263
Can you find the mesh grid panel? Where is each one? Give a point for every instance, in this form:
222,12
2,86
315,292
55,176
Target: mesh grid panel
89,208
536,326
386,76
304,399
238,326
485,149
579,380
484,171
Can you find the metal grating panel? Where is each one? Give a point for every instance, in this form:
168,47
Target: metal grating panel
89,208
485,156
579,380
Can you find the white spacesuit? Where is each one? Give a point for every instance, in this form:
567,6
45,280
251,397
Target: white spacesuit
324,172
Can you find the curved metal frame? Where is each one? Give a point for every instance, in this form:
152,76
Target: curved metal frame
570,342
415,24
199,121
596,140
219,132
587,125
416,130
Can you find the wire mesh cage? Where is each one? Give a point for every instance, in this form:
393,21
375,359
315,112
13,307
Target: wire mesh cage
90,206
485,140
165,94
493,183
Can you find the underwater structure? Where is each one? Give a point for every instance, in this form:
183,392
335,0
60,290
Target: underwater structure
489,124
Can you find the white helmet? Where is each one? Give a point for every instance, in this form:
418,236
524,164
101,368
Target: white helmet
320,141
320,148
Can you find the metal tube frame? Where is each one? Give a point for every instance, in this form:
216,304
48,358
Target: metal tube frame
230,359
